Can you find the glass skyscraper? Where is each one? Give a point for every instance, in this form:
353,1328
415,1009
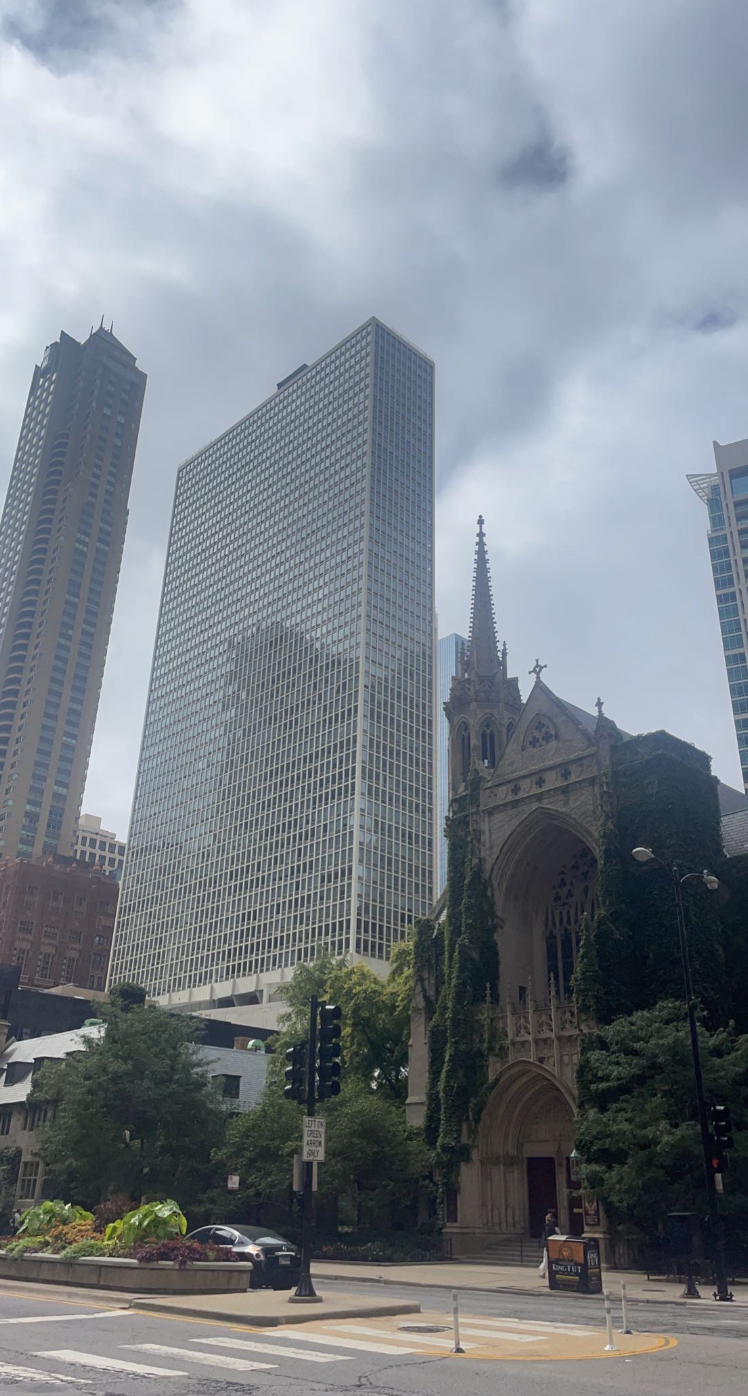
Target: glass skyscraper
725,493
61,539
450,649
284,797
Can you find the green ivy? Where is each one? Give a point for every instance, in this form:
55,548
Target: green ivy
661,795
466,971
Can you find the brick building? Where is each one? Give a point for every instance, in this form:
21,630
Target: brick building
56,921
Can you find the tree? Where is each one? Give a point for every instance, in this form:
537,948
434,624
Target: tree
376,1017
638,1132
134,1111
375,1163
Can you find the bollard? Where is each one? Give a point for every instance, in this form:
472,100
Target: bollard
624,1310
456,1322
610,1345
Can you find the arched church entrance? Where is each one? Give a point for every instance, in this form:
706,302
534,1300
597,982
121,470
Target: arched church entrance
525,1141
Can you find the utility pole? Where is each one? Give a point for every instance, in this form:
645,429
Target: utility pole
714,1220
305,1289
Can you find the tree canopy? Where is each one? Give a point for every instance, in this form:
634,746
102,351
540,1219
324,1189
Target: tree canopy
376,1017
638,1131
374,1165
134,1111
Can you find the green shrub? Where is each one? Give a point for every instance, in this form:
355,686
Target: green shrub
36,1221
82,1248
154,1221
27,1244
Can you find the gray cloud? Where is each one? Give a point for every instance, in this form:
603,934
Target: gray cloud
549,199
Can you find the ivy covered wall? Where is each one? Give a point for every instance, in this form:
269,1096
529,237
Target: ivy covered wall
660,794
458,965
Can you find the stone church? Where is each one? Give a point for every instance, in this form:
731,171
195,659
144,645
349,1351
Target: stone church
542,764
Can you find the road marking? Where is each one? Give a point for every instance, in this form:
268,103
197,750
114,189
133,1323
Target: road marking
108,1364
505,1335
498,1323
405,1337
63,1318
272,1349
208,1359
388,1350
7,1369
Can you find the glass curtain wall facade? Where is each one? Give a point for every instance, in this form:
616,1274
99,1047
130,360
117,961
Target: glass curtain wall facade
450,649
61,538
725,493
284,797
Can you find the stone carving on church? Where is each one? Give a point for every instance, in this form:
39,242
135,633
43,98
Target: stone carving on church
541,733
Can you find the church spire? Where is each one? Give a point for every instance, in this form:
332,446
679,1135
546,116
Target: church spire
483,652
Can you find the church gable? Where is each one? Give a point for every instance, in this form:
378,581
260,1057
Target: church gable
547,731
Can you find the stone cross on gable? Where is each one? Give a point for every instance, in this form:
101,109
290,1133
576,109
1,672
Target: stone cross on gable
537,668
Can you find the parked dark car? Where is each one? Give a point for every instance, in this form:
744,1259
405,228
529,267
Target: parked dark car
275,1262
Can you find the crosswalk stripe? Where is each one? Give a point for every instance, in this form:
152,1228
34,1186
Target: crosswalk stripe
208,1359
573,1329
63,1318
271,1349
356,1344
419,1338
109,1364
505,1334
9,1369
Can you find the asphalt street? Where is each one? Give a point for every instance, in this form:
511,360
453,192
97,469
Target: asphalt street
52,1344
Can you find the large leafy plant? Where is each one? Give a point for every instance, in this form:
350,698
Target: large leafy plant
154,1221
37,1221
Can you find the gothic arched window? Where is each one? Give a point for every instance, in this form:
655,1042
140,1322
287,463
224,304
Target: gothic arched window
488,745
574,895
464,738
509,730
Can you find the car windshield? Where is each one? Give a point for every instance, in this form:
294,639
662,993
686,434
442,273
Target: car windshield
259,1237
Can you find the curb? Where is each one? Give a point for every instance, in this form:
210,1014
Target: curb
507,1289
303,1314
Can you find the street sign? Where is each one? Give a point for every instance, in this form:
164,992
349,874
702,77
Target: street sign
298,1174
232,1182
313,1150
718,1183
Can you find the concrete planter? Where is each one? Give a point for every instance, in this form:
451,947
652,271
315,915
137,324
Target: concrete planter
157,1277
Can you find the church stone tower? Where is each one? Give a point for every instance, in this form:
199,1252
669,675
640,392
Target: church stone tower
484,704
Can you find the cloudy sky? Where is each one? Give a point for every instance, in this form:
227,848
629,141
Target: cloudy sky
550,199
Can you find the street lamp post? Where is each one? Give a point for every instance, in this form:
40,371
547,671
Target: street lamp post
714,1220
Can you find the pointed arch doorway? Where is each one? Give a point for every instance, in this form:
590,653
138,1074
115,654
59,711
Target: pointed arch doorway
524,1145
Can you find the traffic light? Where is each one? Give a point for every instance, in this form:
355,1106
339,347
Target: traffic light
722,1141
328,1070
296,1075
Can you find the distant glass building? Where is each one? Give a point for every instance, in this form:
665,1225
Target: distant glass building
61,538
284,797
725,493
450,649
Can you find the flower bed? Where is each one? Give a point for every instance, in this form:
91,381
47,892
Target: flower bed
137,1277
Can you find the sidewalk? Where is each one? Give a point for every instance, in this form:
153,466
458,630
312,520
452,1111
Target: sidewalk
509,1279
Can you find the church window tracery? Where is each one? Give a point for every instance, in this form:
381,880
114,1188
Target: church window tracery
542,733
464,739
488,745
574,895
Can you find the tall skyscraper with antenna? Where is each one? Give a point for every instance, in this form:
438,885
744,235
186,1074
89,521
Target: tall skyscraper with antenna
61,538
284,802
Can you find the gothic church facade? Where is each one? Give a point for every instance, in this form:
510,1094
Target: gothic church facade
542,806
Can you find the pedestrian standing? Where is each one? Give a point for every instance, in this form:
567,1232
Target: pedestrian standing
550,1228
15,1220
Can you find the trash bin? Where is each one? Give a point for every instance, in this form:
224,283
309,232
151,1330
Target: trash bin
574,1264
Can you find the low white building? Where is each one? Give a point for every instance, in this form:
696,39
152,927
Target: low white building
238,1072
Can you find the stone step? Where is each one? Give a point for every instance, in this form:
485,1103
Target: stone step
505,1250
